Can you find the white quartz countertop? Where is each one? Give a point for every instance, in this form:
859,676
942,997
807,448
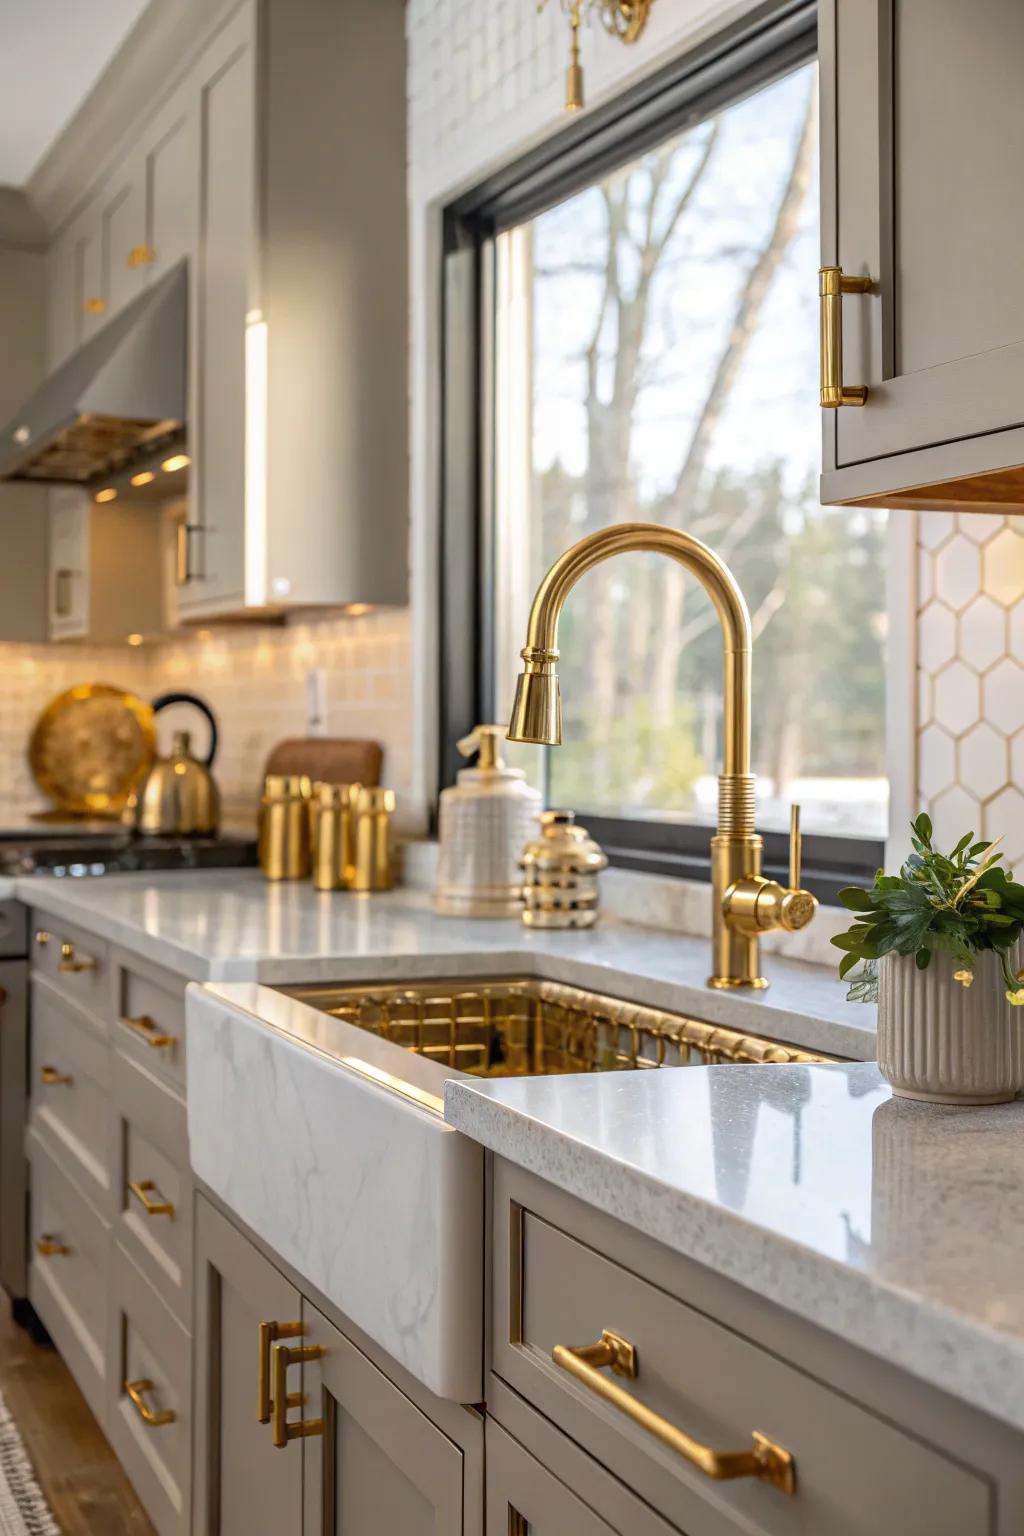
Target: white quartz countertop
897,1225
235,926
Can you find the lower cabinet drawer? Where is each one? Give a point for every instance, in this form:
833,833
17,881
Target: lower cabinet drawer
149,1417
68,1273
576,1324
75,962
154,1206
149,1012
70,1101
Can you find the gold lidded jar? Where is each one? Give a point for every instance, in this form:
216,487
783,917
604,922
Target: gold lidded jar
374,856
333,835
284,835
484,820
560,874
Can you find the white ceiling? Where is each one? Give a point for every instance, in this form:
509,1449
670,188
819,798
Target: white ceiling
52,52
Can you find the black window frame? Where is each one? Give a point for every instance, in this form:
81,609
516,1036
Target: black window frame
772,41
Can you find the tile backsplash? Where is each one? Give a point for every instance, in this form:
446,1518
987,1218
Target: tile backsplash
254,679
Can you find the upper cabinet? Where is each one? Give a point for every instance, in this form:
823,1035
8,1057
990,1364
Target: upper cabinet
922,123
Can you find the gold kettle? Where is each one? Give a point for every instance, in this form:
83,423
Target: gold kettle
179,795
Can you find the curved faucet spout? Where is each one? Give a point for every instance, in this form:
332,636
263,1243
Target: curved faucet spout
536,715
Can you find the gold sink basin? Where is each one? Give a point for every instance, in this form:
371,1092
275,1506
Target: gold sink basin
526,1027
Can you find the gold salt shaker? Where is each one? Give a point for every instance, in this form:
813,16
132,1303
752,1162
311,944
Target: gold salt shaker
284,840
374,859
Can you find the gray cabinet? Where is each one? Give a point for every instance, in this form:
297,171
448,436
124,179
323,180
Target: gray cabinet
13,1089
92,547
379,1464
922,122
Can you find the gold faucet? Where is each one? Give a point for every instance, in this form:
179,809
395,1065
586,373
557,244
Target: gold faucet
744,903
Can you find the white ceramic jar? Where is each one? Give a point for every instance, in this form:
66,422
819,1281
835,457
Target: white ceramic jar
944,1042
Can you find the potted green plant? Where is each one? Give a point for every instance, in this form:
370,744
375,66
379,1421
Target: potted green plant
938,946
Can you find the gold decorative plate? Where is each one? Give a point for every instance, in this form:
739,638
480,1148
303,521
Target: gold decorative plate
92,746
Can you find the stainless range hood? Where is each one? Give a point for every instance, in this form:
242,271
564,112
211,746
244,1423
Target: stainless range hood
116,402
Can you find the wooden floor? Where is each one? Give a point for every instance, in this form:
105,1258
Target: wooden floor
78,1472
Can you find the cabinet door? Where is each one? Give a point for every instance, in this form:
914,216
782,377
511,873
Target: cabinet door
171,186
241,1484
122,226
907,185
525,1499
63,312
379,1464
13,1098
90,301
227,171
69,563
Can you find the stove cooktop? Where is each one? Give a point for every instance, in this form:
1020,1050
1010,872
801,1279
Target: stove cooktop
76,855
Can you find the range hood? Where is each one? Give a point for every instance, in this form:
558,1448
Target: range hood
116,402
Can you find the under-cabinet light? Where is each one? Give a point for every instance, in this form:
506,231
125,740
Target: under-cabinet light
144,477
134,639
109,494
176,461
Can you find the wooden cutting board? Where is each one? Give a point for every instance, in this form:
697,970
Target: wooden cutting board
329,759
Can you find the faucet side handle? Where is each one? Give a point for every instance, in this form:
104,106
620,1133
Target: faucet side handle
796,847
754,905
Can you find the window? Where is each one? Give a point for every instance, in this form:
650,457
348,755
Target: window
651,346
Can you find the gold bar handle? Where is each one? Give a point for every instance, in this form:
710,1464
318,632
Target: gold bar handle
796,848
54,1077
281,1431
585,1362
49,1246
145,1027
832,284
269,1333
142,1190
154,1417
70,963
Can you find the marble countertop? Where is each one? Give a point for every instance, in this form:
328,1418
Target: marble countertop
235,926
898,1225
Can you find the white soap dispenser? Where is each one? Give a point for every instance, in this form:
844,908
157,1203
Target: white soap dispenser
484,821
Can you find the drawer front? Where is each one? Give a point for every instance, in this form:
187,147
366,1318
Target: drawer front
76,962
13,928
149,1414
69,1077
149,1014
154,1220
68,1273
694,1375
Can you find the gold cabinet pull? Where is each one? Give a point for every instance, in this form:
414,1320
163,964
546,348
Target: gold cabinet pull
585,1362
70,963
269,1333
95,306
154,1417
143,1189
832,284
183,571
62,605
281,1431
53,1076
42,937
49,1246
141,256
147,1029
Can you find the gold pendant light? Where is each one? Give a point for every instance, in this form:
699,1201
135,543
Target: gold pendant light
624,19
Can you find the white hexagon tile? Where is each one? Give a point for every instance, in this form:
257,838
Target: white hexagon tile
970,656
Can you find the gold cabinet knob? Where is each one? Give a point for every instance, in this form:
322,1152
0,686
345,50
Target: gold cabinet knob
42,937
141,256
269,1333
764,1460
53,1076
832,284
153,1418
48,1246
70,962
143,1189
95,306
147,1029
281,1431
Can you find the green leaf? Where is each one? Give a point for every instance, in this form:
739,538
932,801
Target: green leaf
856,900
923,958
923,827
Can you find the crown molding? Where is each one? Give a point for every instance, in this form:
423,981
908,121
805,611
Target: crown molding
151,61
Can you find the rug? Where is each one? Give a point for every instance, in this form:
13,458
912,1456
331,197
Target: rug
23,1510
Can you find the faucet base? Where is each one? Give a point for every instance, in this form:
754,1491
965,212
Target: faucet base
726,983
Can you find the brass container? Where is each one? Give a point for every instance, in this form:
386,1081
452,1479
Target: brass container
560,870
374,859
332,808
284,837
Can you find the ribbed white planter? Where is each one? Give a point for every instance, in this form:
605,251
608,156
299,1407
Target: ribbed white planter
949,1044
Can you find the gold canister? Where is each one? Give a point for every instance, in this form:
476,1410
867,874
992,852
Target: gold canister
334,835
374,861
284,838
560,870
